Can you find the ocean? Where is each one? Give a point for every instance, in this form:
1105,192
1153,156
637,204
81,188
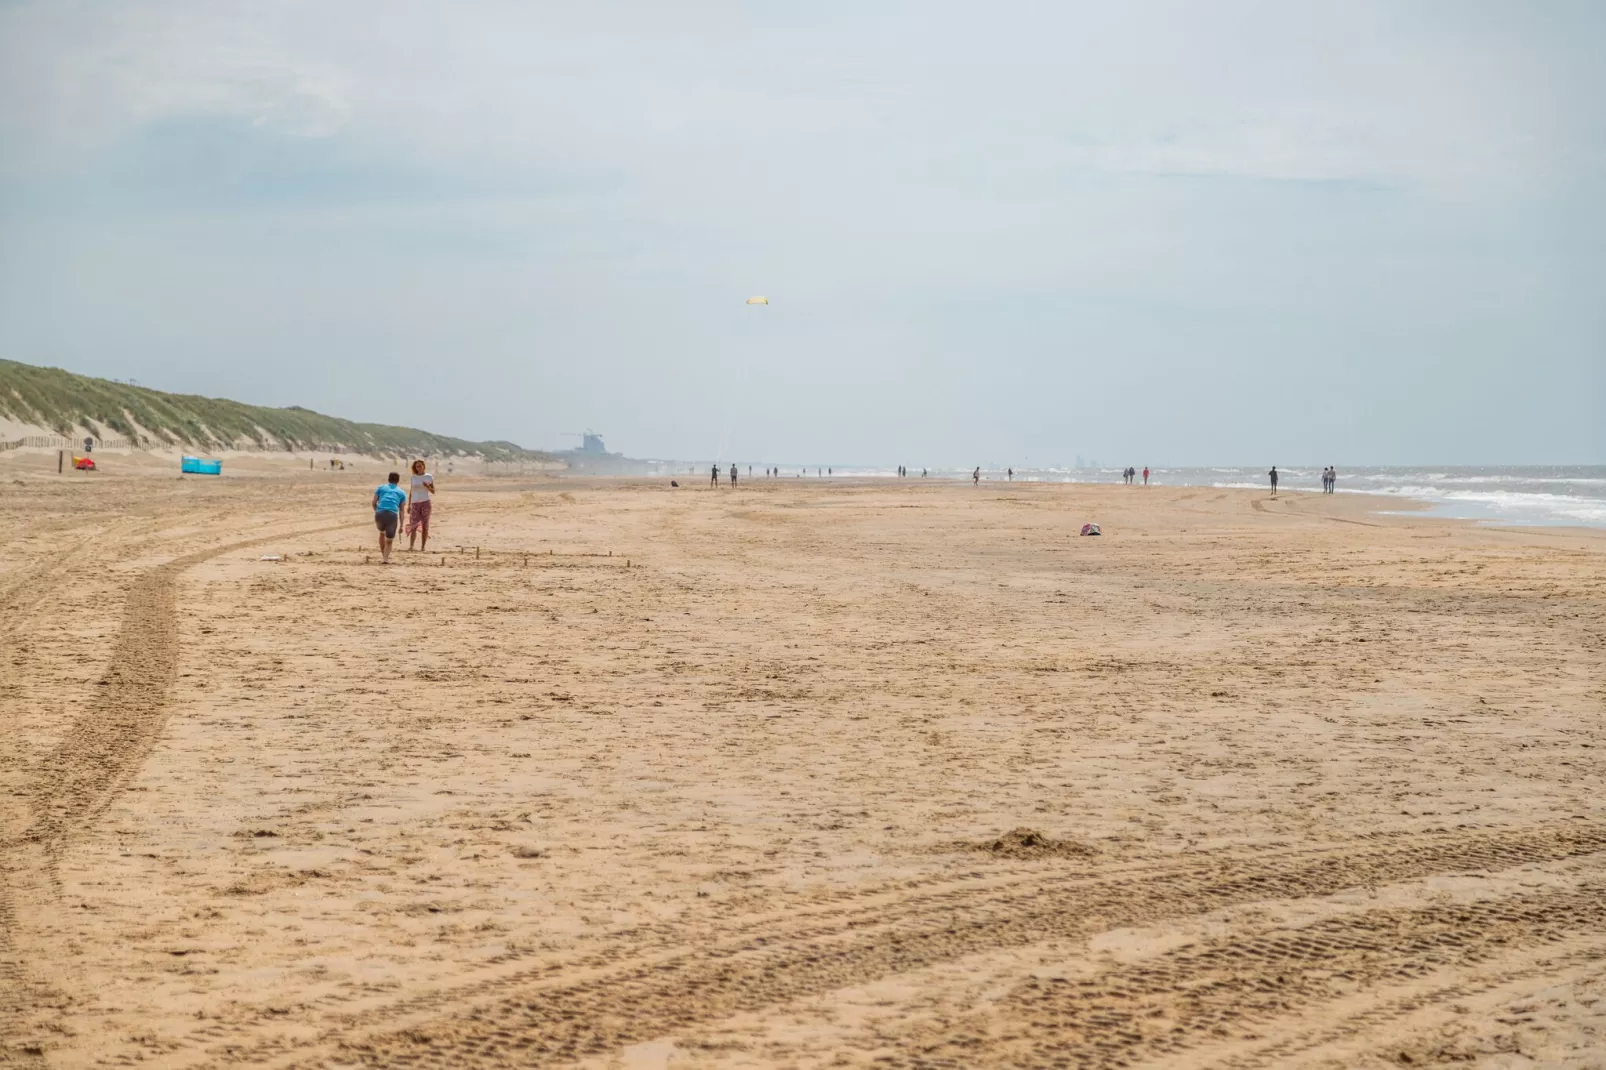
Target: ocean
1525,495
1515,494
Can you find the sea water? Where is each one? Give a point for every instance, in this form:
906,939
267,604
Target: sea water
1516,494
1536,495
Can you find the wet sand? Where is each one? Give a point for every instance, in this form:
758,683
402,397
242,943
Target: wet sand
803,774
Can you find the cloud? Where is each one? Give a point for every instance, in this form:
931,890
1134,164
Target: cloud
962,197
1352,92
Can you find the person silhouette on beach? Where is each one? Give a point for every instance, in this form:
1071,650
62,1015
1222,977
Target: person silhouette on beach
1273,474
420,502
387,503
1145,475
1332,479
1011,472
733,475
975,477
713,476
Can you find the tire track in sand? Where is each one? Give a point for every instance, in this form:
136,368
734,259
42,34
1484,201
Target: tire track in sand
840,912
97,756
18,993
1575,959
1230,990
554,1015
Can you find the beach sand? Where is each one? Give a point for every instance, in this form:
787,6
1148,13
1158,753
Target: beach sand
808,773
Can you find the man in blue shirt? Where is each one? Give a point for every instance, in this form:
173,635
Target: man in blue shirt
388,498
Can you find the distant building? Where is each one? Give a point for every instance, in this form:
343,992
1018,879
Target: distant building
593,457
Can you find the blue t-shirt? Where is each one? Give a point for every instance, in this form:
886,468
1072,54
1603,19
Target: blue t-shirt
390,498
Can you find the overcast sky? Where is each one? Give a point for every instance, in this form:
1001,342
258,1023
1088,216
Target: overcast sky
1151,233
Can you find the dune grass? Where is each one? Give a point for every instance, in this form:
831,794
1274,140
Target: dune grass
63,401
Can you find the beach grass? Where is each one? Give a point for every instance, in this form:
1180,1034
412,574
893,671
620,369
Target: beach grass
64,401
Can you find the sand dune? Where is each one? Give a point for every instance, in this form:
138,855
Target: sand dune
802,774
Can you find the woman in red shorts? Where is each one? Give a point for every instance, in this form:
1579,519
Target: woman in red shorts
420,497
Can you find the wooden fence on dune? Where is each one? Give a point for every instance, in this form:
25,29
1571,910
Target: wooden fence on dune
57,442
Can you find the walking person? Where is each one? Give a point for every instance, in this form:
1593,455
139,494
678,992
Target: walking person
420,500
387,503
975,477
1273,474
733,475
1145,475
713,476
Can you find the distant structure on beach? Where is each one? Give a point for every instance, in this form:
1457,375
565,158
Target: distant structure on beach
590,442
593,456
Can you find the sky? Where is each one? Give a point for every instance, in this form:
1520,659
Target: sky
1006,233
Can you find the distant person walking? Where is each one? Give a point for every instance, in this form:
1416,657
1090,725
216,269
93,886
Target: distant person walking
733,475
1273,474
1011,472
713,476
975,477
1332,479
1145,475
387,503
420,501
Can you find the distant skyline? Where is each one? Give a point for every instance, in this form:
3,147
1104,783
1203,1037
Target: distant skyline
1151,233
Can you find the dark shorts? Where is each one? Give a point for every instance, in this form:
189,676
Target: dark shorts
386,523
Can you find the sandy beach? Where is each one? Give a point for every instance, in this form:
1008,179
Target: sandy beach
808,773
